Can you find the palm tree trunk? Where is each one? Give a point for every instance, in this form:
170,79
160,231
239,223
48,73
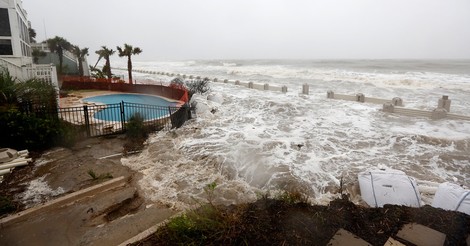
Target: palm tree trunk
108,68
80,66
60,53
129,68
99,58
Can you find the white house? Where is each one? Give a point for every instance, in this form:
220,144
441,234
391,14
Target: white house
15,47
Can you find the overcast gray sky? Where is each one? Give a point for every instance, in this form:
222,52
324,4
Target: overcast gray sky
261,29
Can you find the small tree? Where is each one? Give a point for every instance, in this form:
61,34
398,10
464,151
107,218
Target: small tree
32,35
198,86
128,51
37,53
105,53
59,45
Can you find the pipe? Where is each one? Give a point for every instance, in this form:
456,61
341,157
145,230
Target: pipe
5,166
16,161
3,172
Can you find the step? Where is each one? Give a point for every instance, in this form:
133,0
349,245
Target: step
346,238
421,235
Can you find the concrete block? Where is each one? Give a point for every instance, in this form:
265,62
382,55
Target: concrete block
250,85
215,79
439,113
360,97
388,108
190,77
184,76
225,80
237,82
393,242
305,89
421,235
396,101
346,238
284,89
198,77
266,87
330,94
444,103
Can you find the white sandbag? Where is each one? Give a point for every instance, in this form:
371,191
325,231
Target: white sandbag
452,197
388,186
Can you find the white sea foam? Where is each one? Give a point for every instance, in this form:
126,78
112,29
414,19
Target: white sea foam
38,191
251,142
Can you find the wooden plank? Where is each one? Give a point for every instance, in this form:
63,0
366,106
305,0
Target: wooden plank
346,238
421,235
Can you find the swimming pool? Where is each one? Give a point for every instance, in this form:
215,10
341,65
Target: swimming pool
149,107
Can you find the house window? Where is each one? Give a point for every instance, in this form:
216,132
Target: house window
4,23
5,47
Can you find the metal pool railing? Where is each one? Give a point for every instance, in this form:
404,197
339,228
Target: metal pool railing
100,120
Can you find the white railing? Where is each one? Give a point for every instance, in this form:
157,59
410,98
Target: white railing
14,70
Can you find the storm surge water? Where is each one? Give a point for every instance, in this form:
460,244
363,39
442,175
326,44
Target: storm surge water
251,142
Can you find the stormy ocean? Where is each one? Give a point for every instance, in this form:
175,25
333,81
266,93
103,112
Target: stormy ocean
253,142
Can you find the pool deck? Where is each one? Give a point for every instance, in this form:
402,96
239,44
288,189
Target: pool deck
74,99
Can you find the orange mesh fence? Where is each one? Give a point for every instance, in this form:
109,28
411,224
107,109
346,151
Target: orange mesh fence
160,90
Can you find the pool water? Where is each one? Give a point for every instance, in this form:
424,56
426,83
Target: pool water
147,111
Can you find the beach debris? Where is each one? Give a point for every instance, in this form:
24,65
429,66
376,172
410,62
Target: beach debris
421,235
343,237
10,158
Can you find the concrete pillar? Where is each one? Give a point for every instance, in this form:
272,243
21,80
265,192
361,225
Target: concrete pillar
198,77
172,74
167,74
184,76
250,85
178,75
190,77
330,94
225,80
396,101
266,87
284,89
237,82
360,97
305,88
215,79
388,107
444,103
439,113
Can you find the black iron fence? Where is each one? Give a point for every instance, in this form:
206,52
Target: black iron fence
99,120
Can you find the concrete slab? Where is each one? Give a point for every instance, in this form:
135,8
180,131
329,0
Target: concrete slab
421,235
85,222
393,242
346,238
61,201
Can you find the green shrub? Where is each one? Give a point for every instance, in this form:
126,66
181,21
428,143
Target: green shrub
27,131
6,205
135,127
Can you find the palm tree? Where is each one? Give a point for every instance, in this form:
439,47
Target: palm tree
105,53
58,45
129,51
37,53
80,54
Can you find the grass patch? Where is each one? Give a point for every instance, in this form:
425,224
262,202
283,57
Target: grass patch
102,176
